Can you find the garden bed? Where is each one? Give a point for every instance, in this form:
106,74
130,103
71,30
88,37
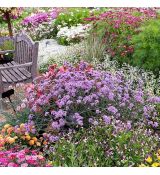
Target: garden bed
93,104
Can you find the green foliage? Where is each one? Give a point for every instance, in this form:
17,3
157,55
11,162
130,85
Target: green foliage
95,46
7,45
72,17
16,119
147,46
100,146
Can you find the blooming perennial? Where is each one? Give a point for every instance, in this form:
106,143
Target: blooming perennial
68,97
74,33
22,158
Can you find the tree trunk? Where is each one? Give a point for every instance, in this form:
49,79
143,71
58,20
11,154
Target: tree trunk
8,20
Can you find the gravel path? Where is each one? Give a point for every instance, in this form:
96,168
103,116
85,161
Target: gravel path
47,49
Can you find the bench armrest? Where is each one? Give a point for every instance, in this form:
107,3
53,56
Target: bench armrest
16,66
3,52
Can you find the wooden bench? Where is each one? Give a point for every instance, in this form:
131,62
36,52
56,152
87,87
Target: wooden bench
23,68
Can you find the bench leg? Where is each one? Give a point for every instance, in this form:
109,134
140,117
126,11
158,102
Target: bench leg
1,106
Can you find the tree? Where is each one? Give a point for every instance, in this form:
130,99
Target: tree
6,13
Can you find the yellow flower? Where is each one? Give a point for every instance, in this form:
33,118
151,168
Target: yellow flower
155,164
6,126
142,165
28,137
22,125
38,143
15,137
149,159
11,140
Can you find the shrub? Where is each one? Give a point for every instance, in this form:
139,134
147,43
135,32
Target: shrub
104,145
118,26
72,17
147,46
75,34
67,97
42,23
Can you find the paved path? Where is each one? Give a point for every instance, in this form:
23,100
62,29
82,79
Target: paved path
48,48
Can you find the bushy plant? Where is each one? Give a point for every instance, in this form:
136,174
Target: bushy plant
72,17
131,74
7,45
16,157
147,46
3,32
118,26
24,134
74,34
67,97
104,145
73,53
152,160
42,23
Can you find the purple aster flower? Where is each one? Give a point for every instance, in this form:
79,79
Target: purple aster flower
129,126
78,118
53,139
55,125
112,109
106,119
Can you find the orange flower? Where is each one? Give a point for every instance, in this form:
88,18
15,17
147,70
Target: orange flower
28,137
11,140
2,142
44,143
31,142
35,139
9,130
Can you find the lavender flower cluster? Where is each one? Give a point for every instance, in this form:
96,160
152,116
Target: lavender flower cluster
76,96
38,18
39,25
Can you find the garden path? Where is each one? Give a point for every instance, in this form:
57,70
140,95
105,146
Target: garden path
48,48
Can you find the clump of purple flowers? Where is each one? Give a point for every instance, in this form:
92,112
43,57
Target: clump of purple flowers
76,96
39,18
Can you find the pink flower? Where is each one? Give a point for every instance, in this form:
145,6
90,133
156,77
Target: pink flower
12,164
24,165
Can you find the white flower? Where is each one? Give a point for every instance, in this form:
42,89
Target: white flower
75,32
